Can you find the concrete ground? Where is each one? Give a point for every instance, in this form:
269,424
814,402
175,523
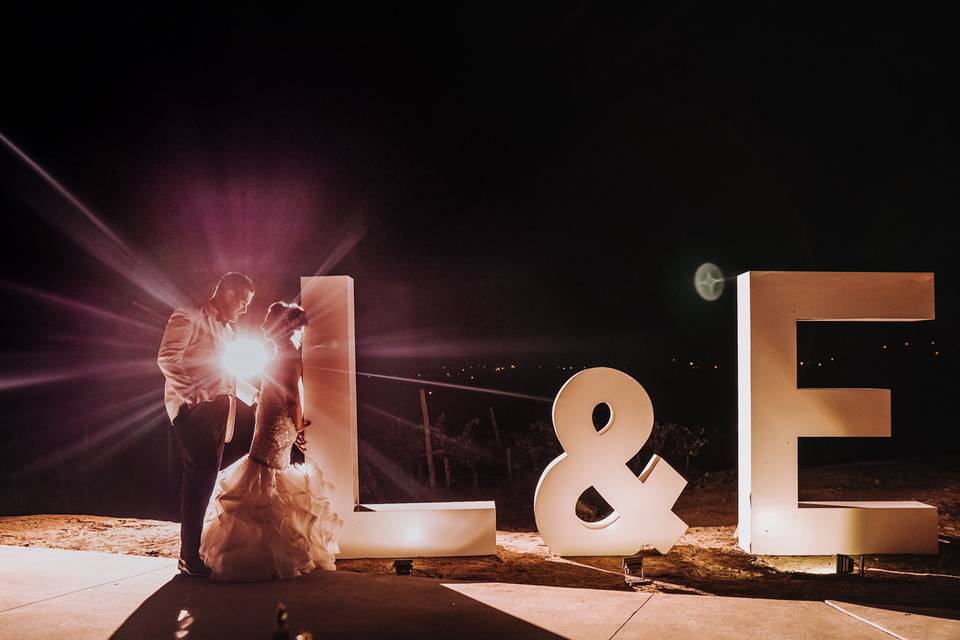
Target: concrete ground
48,593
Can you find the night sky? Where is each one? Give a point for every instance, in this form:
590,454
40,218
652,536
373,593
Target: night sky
505,185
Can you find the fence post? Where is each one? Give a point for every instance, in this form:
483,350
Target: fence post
496,432
426,437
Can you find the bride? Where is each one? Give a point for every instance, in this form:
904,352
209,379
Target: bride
269,519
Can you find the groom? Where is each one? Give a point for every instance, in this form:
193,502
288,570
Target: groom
200,400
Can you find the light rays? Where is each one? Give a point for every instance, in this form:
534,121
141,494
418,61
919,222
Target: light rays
436,342
79,306
248,213
141,424
100,241
94,236
162,318
269,219
454,443
134,367
127,346
459,387
342,246
110,420
87,371
12,381
394,473
53,366
69,197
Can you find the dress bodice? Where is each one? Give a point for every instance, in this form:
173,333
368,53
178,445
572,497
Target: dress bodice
275,431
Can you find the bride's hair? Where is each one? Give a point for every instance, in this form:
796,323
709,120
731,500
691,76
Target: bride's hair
284,316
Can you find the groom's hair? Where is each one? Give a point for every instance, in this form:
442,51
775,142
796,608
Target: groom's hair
234,281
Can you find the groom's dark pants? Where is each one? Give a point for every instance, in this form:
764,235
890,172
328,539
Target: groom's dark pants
200,431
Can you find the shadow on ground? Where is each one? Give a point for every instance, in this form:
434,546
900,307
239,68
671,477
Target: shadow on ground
730,572
324,603
707,561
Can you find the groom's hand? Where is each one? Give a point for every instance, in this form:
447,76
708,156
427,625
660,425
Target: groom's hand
301,442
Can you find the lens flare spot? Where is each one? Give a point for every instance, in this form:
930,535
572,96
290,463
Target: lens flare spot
245,357
709,281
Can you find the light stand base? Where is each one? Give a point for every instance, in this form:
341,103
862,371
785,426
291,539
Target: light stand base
847,564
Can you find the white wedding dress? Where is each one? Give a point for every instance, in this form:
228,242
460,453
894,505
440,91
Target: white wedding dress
269,519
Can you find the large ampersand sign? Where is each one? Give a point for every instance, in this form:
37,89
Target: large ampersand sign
642,506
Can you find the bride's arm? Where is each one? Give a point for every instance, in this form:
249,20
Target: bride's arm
297,413
299,421
292,391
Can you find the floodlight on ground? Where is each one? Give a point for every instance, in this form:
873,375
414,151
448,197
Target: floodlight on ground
847,564
633,570
280,623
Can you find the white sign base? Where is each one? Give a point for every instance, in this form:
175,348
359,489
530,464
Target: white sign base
855,528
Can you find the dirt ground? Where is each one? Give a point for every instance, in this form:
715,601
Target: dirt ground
706,560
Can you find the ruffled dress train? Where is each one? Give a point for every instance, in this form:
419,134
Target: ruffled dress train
267,523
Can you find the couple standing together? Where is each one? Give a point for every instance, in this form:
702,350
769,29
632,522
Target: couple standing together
268,519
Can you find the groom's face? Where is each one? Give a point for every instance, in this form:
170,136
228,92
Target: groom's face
237,304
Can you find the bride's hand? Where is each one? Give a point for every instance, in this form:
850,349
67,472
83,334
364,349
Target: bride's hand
301,442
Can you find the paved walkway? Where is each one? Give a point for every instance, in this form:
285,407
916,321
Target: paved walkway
49,593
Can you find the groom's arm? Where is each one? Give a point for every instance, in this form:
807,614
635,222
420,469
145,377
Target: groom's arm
175,339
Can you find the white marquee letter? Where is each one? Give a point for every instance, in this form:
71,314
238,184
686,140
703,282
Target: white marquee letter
330,402
642,506
774,413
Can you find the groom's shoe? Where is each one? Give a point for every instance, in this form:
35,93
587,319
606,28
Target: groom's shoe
194,568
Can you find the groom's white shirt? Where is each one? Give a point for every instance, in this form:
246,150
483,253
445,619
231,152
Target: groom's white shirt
191,359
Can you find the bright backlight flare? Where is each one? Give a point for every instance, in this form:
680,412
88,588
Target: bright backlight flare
245,357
